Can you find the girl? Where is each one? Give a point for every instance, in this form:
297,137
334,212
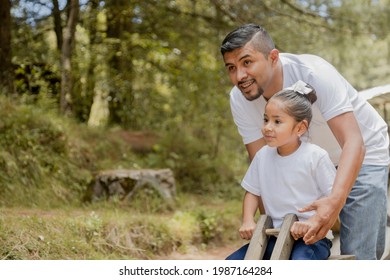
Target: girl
287,174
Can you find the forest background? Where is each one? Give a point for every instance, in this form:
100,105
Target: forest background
89,85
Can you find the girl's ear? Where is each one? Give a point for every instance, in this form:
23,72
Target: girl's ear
302,127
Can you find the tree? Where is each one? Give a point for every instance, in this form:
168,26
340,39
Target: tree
120,15
66,57
57,24
98,71
6,69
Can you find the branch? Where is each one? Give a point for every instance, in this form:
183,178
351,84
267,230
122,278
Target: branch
300,10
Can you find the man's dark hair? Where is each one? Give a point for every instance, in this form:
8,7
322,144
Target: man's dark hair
245,33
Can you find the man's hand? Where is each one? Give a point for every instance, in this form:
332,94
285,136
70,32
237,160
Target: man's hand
327,212
246,230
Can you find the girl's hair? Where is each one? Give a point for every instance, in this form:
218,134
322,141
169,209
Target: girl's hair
297,101
239,37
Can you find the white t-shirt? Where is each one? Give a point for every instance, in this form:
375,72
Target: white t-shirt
289,183
335,96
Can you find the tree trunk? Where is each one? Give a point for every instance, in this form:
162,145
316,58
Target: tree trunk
6,71
100,113
119,26
97,90
66,57
57,24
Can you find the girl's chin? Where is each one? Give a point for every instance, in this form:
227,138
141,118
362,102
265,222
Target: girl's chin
271,144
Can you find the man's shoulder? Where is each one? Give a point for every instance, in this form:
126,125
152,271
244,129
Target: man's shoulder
300,57
299,61
237,99
234,92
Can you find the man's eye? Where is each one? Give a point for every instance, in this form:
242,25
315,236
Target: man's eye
247,62
231,68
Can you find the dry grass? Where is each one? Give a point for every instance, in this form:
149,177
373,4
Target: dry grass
107,233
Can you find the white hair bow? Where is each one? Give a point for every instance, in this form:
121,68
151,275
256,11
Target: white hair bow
301,87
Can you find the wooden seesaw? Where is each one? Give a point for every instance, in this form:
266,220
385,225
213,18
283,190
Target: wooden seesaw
284,240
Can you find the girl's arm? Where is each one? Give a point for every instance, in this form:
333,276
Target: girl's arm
250,205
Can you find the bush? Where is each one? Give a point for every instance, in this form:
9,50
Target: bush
47,160
111,234
198,167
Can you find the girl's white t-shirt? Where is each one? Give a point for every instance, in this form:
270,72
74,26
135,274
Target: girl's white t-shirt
335,96
289,183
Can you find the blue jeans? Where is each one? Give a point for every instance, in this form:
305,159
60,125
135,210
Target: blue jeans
363,218
300,251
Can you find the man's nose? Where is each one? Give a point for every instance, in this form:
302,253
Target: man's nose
241,74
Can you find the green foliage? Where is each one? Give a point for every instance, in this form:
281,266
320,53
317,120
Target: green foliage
155,62
37,79
196,159
46,160
111,233
49,161
157,66
58,158
33,149
208,226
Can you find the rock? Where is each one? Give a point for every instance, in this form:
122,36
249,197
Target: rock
124,183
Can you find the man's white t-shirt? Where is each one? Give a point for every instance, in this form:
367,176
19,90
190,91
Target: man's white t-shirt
289,183
335,96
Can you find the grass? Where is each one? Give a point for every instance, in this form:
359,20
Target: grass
106,232
46,164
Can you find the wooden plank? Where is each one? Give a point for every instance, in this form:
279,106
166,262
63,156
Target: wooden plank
272,231
285,241
259,240
341,257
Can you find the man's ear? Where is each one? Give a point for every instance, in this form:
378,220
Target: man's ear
302,127
274,55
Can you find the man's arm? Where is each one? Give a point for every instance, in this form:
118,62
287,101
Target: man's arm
348,135
253,147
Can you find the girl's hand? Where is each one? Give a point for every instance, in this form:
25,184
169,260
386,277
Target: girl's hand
327,212
299,229
246,230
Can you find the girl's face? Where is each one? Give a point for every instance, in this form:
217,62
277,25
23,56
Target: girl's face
281,130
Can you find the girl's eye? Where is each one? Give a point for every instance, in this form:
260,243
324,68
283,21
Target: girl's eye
278,122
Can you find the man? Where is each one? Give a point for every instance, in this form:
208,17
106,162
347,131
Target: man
344,124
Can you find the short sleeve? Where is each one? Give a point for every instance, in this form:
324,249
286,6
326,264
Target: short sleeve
247,115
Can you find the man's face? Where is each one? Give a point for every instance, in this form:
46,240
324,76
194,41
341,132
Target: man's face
249,70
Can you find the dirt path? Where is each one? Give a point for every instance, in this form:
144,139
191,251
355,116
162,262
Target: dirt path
193,253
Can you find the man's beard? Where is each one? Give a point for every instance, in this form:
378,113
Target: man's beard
259,93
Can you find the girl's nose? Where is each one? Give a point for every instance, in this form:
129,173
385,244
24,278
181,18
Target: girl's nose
267,127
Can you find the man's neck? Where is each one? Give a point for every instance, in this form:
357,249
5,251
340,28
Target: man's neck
276,83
